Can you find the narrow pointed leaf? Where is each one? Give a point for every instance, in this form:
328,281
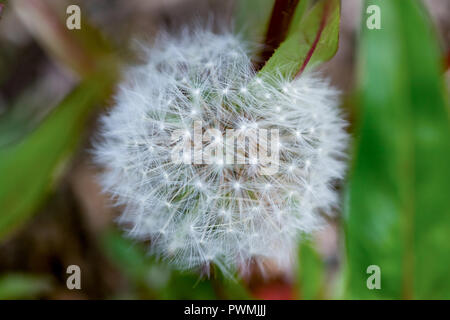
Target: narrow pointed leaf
398,208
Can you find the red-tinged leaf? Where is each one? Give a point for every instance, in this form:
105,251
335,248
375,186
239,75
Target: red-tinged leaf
311,40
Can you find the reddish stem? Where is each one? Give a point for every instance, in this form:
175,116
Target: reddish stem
447,62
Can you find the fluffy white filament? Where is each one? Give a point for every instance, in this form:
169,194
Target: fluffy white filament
221,213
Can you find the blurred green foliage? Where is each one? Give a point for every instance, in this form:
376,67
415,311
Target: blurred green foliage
397,207
30,166
23,286
311,272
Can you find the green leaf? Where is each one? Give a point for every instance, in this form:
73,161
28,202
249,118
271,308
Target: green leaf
300,11
22,286
397,207
311,40
29,167
311,272
252,17
27,111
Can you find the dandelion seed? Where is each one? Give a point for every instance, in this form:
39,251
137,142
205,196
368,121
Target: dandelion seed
307,163
199,184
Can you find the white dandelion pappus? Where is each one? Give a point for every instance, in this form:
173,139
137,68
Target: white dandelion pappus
217,212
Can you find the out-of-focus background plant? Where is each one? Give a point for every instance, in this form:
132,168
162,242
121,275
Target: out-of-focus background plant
395,210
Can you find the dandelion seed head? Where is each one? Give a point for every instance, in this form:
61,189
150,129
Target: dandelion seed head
219,212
